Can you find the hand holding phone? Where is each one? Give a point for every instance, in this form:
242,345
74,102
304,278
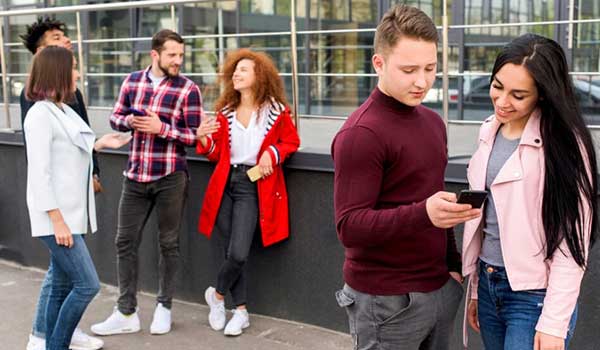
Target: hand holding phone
444,211
137,112
254,173
473,197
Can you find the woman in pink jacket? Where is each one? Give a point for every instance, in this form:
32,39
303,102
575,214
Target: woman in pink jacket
253,128
527,253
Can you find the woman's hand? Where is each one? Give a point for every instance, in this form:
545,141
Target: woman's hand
543,341
62,233
112,140
472,316
265,164
208,126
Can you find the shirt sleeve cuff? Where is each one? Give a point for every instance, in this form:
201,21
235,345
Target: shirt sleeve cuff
208,149
556,329
474,285
422,218
274,155
164,130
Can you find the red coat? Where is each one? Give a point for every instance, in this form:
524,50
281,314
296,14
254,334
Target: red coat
280,141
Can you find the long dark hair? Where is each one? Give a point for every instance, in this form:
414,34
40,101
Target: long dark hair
570,161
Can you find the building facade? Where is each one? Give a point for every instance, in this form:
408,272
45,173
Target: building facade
334,38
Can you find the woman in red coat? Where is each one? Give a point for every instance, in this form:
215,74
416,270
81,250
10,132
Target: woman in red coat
252,127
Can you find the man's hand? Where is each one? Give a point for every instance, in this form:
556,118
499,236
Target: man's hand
149,124
457,276
543,341
265,164
444,212
472,316
97,185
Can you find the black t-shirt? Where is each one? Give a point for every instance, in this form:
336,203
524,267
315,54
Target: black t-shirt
77,105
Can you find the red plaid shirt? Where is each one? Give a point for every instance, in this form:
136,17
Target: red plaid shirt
178,103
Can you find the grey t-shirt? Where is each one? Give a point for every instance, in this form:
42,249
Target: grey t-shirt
491,250
155,80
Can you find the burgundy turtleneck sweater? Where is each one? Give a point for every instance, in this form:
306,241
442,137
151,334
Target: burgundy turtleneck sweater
389,158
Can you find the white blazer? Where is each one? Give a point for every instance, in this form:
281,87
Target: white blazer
59,168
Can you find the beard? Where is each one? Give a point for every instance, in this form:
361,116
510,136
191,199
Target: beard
169,71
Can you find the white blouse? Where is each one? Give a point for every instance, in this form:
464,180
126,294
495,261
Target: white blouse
246,142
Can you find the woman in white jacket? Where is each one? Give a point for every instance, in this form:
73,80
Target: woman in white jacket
59,189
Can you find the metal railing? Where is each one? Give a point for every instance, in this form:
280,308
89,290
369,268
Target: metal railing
292,33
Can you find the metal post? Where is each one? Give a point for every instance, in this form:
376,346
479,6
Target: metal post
458,11
173,19
5,91
80,58
221,31
294,63
220,41
445,102
571,17
578,26
307,80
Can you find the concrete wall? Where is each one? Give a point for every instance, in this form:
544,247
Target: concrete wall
294,280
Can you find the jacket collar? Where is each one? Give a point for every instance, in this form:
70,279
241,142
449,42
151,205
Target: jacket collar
270,109
76,129
273,109
531,134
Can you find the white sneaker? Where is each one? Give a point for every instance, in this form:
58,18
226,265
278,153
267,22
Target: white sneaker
216,316
238,322
117,323
161,322
36,343
83,341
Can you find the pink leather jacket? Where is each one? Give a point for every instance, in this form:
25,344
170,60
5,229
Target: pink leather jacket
518,194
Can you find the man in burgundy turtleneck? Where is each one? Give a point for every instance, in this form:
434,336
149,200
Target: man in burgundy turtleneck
402,268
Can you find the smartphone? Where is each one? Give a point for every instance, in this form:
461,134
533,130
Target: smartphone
473,197
254,173
137,112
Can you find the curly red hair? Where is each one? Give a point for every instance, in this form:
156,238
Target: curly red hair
268,83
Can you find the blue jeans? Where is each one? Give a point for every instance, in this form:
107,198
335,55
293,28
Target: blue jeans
39,320
508,318
74,284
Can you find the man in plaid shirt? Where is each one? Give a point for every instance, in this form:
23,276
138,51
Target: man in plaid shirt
162,109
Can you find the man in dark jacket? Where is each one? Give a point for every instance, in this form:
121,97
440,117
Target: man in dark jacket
51,32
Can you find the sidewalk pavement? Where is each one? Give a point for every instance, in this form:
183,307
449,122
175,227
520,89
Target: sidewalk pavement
19,289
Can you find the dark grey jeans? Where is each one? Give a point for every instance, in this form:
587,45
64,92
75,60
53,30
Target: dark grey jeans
236,222
414,321
167,195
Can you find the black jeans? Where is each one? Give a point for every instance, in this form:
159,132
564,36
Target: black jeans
168,196
236,222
